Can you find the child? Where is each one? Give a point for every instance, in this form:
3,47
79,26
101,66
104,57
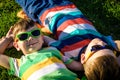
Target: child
36,63
76,36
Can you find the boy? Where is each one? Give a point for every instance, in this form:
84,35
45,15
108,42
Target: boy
76,36
36,63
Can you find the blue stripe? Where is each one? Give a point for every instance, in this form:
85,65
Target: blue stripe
80,32
62,18
59,16
72,40
77,36
106,39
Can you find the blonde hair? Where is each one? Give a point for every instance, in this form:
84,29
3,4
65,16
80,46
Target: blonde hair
22,25
21,14
102,68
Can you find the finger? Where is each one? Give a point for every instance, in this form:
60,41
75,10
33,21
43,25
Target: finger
10,31
2,38
10,44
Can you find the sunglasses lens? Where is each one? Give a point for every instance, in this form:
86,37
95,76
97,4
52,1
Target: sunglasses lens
23,36
99,47
96,47
35,33
26,35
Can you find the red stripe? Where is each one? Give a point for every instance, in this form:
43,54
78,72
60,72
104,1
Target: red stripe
57,8
71,22
76,45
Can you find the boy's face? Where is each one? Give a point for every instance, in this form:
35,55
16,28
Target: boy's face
31,43
96,48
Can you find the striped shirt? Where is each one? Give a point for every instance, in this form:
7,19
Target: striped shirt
45,64
72,29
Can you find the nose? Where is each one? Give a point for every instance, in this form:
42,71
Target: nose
30,38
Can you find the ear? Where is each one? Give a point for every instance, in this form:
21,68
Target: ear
82,58
15,44
117,42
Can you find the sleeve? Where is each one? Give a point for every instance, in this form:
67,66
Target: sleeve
13,67
56,52
66,60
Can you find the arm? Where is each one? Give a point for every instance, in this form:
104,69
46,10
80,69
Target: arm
5,42
72,64
4,60
76,66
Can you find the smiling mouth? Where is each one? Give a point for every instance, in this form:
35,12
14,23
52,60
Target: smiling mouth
32,44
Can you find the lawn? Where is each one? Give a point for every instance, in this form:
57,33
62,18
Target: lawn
105,15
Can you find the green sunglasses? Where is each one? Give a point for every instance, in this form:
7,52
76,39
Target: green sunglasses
25,35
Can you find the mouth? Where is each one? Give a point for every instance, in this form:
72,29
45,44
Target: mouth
31,44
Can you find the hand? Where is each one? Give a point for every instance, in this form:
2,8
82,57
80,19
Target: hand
117,42
9,33
10,36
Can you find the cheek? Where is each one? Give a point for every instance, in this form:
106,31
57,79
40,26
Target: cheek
41,43
22,45
41,39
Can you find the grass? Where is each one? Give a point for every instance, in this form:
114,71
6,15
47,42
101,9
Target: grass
105,15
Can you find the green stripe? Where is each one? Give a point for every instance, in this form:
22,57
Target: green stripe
37,57
61,74
12,68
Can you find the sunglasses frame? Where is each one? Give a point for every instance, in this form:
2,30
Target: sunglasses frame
93,50
29,33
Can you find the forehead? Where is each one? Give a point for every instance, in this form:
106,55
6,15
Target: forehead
29,29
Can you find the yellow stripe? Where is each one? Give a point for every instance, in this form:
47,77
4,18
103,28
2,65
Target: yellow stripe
18,62
40,65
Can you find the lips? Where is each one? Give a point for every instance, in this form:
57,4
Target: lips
32,44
